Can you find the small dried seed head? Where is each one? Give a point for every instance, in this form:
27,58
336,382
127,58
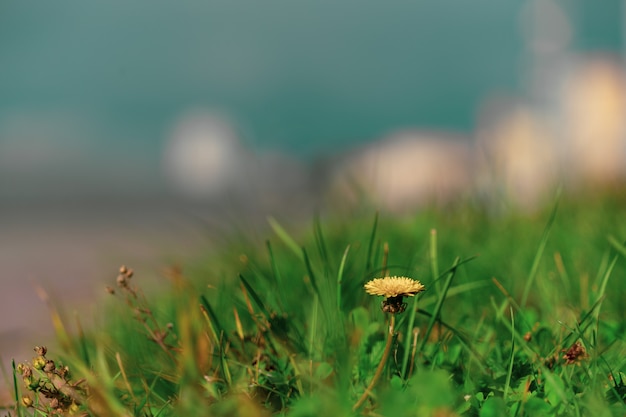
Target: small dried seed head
122,280
575,354
49,366
26,371
41,350
129,273
110,290
63,371
123,269
27,401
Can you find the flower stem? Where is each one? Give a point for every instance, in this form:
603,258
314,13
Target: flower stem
381,365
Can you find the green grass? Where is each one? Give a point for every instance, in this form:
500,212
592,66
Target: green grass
285,327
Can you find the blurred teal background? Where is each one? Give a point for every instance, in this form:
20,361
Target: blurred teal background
93,89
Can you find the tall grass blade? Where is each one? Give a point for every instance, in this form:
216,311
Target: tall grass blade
16,391
540,249
57,321
215,324
313,337
321,244
617,245
224,364
407,339
120,365
370,245
312,274
285,237
82,341
433,258
440,301
342,265
509,373
255,296
277,279
604,281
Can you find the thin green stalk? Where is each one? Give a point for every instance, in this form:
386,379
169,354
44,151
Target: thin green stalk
434,264
340,276
617,245
16,390
507,384
255,297
312,274
277,280
370,245
442,298
408,341
214,324
321,244
603,283
542,246
285,237
314,324
381,365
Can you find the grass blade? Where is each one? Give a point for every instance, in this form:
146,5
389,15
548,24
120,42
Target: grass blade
312,275
617,245
254,295
408,340
277,279
540,249
215,325
321,244
509,373
442,298
604,281
16,390
285,237
370,245
342,265
433,257
314,327
82,341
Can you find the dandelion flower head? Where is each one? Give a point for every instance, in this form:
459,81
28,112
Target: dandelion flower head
394,287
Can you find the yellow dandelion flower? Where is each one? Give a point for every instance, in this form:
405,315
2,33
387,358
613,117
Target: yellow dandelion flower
394,287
